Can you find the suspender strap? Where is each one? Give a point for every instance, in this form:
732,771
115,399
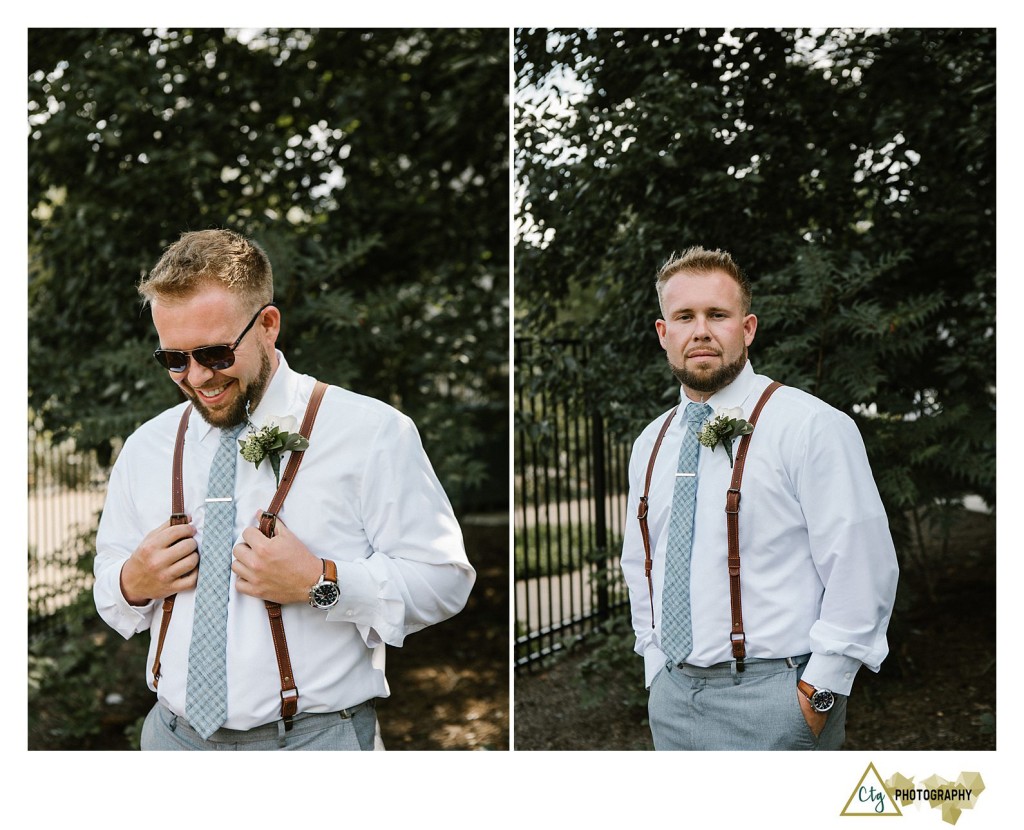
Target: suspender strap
642,509
268,523
178,517
732,517
732,509
289,691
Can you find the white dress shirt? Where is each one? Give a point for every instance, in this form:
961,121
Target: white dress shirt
817,564
365,497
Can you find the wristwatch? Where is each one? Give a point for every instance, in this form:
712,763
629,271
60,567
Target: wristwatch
325,593
821,700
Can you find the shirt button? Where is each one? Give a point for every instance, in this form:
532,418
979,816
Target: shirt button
349,613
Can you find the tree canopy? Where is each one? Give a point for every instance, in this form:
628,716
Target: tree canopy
371,165
850,173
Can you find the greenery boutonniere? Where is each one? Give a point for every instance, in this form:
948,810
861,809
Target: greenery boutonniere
271,440
726,425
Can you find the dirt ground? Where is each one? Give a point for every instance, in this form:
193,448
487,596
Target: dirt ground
449,684
936,690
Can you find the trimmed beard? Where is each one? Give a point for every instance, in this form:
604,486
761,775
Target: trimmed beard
709,383
238,412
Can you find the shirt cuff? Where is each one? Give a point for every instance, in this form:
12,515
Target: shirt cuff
832,671
126,619
367,600
654,661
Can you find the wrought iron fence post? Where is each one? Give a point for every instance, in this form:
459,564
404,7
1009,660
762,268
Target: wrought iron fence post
600,517
570,498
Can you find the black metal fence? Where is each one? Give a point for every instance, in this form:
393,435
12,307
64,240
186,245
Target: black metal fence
66,488
571,482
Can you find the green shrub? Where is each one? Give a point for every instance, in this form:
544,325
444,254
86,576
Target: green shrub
85,684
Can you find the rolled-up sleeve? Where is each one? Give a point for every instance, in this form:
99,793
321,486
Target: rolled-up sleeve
418,573
116,539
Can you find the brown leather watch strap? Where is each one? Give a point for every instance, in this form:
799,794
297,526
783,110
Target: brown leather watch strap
330,571
732,511
178,517
644,508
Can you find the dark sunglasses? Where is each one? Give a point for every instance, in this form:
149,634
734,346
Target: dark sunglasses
212,357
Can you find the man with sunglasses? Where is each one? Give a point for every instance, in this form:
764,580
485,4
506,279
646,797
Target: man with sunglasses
365,551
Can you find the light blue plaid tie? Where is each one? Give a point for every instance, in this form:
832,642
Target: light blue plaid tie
206,696
676,626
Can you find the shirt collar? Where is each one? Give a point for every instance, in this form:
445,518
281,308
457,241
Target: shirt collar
281,395
733,395
279,399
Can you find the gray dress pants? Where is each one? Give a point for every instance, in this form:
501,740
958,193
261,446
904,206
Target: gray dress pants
718,708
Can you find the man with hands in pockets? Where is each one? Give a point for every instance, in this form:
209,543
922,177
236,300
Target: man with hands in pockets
751,634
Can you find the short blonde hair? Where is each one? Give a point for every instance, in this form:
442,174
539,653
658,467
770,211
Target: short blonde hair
217,257
697,260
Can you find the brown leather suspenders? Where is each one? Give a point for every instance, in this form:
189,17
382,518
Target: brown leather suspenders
268,522
642,510
732,515
732,509
178,517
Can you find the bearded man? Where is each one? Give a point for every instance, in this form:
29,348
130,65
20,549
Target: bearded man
752,622
285,583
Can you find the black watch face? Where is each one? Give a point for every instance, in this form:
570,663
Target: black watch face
822,700
325,595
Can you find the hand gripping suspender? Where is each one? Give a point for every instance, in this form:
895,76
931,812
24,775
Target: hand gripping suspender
268,522
732,510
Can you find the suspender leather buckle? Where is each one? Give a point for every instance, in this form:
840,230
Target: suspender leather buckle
268,523
739,648
732,500
641,512
289,706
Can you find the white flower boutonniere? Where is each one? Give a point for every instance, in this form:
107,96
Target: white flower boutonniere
271,441
727,424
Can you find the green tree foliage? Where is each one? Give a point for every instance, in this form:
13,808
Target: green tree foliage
371,165
851,174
